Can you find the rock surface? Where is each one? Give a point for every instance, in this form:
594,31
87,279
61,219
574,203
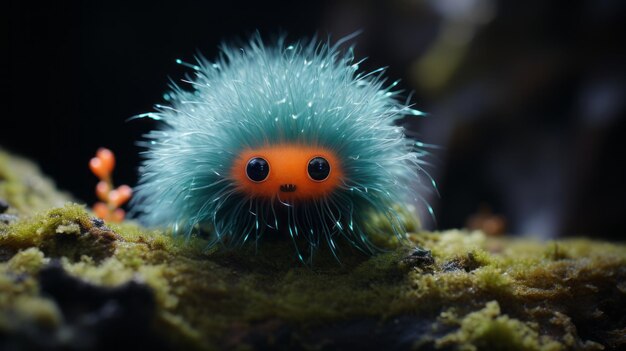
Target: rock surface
69,281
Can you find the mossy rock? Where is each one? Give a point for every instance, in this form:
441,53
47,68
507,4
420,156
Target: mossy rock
24,188
68,281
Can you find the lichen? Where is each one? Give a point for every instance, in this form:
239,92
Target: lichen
452,289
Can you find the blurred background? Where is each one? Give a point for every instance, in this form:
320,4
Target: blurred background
527,99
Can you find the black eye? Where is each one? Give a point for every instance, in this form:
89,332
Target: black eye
257,169
318,169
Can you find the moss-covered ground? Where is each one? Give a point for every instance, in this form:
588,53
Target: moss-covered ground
69,281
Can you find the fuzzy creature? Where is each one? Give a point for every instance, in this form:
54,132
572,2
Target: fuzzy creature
280,139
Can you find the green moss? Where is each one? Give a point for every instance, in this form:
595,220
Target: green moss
22,185
202,296
489,329
28,261
61,232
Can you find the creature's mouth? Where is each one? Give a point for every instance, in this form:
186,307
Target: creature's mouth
288,188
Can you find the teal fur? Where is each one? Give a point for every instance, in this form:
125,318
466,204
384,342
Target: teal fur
306,92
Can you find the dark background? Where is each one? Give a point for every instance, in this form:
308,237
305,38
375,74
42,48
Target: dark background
527,99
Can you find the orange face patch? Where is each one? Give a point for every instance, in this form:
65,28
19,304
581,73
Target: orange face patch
287,172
